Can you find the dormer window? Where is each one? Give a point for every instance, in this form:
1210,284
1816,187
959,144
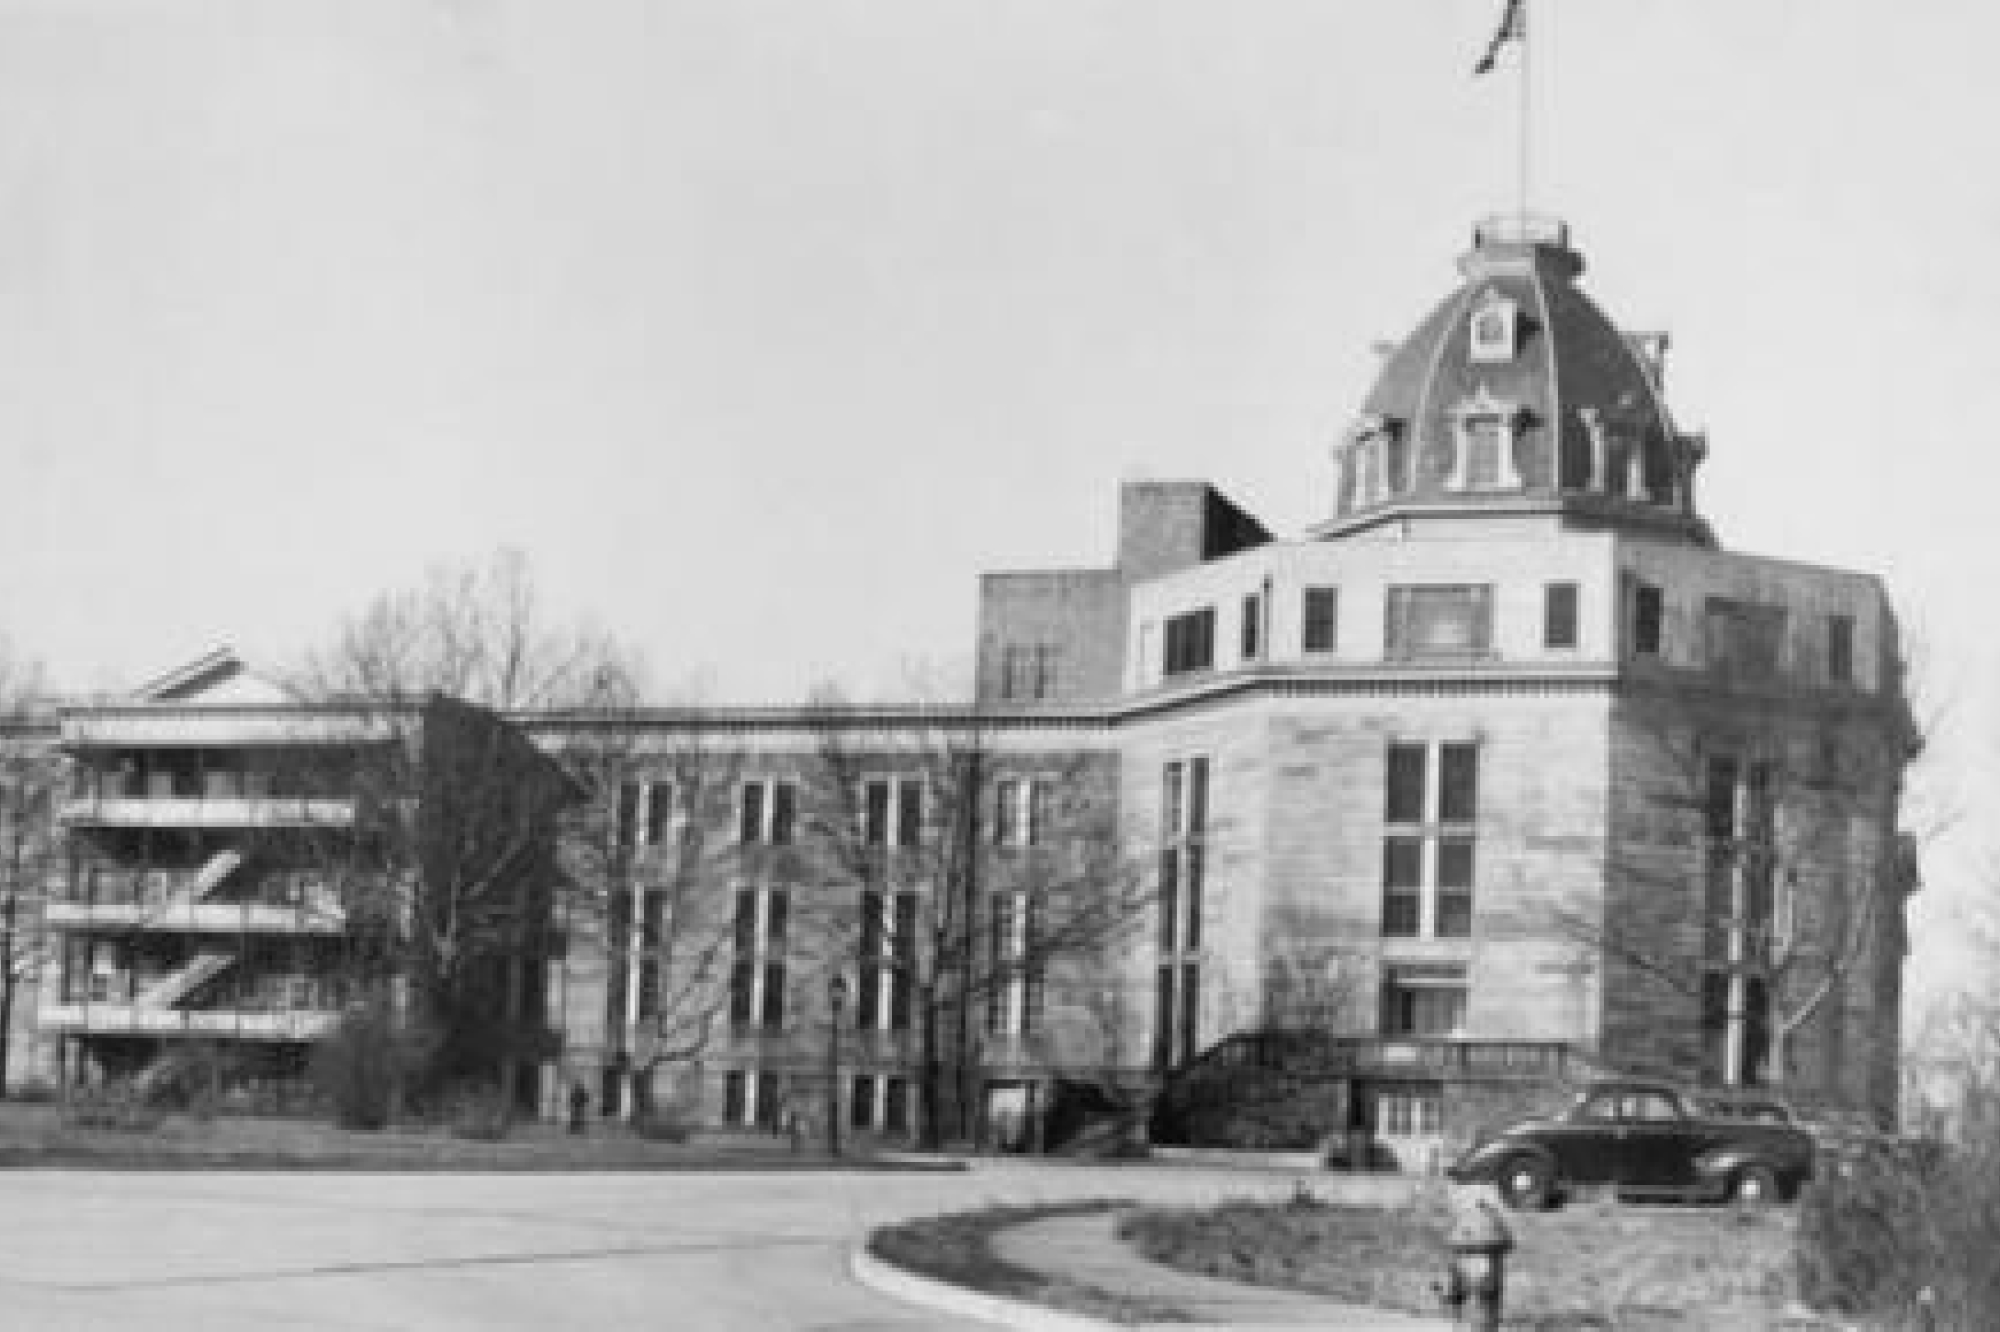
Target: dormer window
1495,329
1486,428
1376,459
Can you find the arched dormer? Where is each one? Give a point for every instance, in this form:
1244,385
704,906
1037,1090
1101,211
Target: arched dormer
1484,429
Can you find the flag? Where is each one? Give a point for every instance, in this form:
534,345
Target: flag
1513,28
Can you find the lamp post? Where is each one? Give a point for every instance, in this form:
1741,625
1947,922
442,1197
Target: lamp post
836,999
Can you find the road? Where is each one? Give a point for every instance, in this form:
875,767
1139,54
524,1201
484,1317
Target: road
223,1252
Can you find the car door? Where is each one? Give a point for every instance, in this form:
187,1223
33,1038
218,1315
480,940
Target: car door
1585,1142
1657,1144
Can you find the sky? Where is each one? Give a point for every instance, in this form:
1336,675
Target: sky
763,326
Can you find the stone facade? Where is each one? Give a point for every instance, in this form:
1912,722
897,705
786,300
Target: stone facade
1504,774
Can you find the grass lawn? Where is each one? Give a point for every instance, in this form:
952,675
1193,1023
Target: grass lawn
958,1249
35,1136
1593,1264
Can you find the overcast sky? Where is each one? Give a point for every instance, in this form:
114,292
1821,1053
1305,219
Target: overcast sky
763,326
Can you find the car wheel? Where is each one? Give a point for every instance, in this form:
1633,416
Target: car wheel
1527,1184
1754,1186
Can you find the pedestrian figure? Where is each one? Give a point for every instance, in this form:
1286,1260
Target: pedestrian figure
579,1105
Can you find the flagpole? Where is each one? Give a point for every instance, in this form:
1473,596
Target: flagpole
1527,67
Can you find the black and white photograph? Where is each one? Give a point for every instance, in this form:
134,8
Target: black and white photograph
887,665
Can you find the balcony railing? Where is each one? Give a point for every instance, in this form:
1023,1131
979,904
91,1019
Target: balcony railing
199,917
1309,1054
209,812
119,1019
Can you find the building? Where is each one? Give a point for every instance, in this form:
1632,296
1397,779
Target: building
1505,772
238,867
1506,764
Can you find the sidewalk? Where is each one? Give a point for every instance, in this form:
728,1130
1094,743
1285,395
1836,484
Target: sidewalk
1086,1250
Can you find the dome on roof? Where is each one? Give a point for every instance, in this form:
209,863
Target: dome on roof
1516,394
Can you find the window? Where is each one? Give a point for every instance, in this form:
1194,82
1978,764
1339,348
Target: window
1493,329
1321,614
1840,649
1424,1000
1014,992
1430,814
1743,641
1648,610
1190,642
878,1102
767,812
886,967
1484,441
1253,626
750,1099
1413,1112
1559,615
659,807
1020,811
892,811
1739,820
1183,833
757,978
1430,622
628,813
651,935
1028,670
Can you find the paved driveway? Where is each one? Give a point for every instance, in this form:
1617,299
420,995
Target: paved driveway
709,1253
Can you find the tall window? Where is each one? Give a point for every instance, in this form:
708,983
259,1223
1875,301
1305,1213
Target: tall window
1559,615
767,812
1020,811
1439,622
629,795
1321,614
1014,990
1648,612
1739,826
887,961
892,811
1190,642
1183,831
1840,649
750,1098
659,812
757,978
1430,817
651,936
1252,635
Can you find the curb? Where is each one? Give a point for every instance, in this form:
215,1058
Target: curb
900,1283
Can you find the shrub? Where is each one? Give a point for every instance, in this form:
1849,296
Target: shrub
663,1123
115,1106
1892,1221
187,1077
478,1111
358,1067
35,1091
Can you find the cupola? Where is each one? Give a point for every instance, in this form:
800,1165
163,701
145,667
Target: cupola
1516,395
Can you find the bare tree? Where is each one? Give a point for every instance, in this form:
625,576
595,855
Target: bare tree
643,855
30,776
1756,870
453,868
984,879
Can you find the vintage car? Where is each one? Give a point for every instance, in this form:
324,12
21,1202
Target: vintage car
1643,1140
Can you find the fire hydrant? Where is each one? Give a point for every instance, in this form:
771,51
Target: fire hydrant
1476,1282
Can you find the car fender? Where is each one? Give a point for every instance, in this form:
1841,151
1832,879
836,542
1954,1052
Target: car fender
1482,1164
1717,1165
